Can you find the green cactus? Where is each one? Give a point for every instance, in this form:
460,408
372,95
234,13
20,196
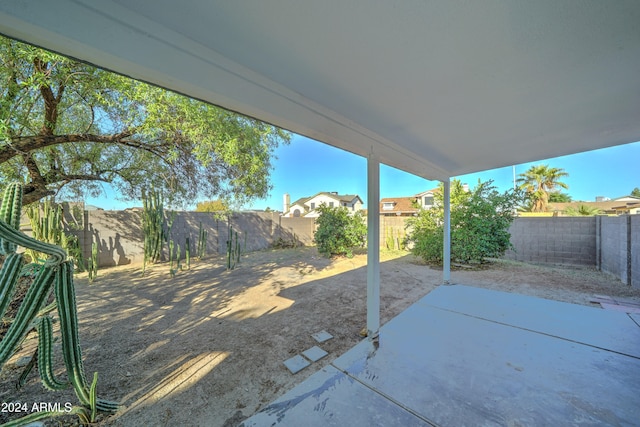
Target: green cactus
233,249
9,275
152,226
238,251
201,250
45,353
187,252
230,229
56,272
47,226
93,262
171,254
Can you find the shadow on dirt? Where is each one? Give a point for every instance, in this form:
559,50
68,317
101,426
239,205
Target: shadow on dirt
209,342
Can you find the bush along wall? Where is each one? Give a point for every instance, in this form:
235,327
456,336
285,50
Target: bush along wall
480,221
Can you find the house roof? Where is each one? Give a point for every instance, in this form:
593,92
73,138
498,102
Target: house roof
438,89
432,191
348,198
401,205
298,203
340,197
629,198
608,206
627,206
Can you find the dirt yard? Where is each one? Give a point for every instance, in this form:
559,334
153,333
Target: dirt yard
206,348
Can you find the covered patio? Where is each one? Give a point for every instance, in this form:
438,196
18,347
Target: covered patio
464,356
437,89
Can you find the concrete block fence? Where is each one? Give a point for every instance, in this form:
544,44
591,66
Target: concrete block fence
610,244
120,239
556,240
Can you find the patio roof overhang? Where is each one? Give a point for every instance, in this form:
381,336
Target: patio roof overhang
437,89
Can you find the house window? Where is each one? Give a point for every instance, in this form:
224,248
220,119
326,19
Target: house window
344,203
313,206
428,201
387,206
296,213
330,204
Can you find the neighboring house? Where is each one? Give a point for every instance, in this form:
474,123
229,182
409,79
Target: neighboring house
407,206
399,206
620,206
307,206
426,198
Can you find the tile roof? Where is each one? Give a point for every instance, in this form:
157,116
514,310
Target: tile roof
610,205
401,205
433,190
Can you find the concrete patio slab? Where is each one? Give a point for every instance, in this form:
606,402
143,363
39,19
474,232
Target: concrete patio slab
464,356
588,325
621,307
325,398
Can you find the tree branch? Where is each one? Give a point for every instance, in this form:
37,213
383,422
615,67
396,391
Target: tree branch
36,190
25,144
33,193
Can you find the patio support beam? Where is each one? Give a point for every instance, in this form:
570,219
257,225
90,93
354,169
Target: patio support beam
373,246
446,252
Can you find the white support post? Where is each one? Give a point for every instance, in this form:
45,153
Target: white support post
446,253
373,246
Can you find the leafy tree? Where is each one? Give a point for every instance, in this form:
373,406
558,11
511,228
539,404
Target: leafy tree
212,206
538,181
559,197
68,127
635,192
338,232
582,210
480,221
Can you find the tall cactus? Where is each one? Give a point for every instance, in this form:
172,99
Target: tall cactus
233,249
152,226
47,226
187,252
57,273
201,249
93,262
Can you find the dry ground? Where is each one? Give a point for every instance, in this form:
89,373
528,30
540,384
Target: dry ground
206,347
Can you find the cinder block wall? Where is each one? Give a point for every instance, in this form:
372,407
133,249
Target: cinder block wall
120,239
557,240
613,246
620,247
300,230
635,251
118,235
392,231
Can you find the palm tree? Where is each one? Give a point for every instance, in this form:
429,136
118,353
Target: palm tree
582,210
538,181
558,197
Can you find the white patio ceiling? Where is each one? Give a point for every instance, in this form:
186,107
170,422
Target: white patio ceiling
436,88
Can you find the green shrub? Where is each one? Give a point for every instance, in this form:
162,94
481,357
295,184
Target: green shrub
480,221
338,232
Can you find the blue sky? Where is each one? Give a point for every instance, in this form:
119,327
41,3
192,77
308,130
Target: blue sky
306,167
